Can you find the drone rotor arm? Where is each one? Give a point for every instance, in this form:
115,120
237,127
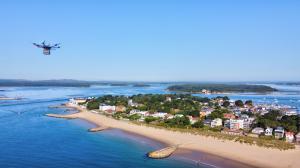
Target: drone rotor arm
37,45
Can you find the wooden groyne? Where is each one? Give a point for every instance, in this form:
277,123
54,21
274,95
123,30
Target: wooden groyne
98,129
61,116
162,153
72,116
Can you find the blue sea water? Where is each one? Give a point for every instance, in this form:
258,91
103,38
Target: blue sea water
30,139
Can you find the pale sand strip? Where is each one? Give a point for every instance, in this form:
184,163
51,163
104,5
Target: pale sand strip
252,155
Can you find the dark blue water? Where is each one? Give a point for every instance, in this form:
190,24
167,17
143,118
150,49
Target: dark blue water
30,139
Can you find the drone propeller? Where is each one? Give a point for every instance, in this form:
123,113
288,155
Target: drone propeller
56,45
37,45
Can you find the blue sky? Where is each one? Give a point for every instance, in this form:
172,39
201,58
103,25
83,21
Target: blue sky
158,40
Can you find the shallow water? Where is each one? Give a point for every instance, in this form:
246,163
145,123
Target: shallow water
30,139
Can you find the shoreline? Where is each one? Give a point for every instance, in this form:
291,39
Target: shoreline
9,98
244,155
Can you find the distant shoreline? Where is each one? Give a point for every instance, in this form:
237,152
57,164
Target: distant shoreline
249,155
9,98
213,88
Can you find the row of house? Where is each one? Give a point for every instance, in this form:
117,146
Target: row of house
111,109
162,115
279,133
231,122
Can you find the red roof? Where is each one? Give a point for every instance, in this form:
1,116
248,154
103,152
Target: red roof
229,116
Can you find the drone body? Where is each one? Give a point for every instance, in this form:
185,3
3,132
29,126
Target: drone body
47,48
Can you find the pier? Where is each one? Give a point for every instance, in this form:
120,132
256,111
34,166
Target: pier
72,116
97,129
162,153
62,116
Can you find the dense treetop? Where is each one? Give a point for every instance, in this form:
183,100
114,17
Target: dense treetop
194,88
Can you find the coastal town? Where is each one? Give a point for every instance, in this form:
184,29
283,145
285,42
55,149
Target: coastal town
218,116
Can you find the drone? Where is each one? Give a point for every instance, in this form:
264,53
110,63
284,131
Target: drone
47,48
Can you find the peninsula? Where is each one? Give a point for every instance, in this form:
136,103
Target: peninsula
217,128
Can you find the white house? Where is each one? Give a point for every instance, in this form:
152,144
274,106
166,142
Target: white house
144,113
132,104
269,131
258,130
279,132
236,124
76,101
289,137
247,124
159,115
141,113
290,112
216,122
107,108
227,123
192,119
134,111
168,99
178,115
170,116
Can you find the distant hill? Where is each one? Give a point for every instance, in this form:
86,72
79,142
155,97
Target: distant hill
63,83
220,88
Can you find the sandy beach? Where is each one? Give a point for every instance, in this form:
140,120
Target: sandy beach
251,155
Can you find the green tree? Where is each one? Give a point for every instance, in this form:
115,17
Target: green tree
226,104
178,122
290,123
91,105
198,124
249,103
194,113
218,113
269,120
134,117
239,103
150,119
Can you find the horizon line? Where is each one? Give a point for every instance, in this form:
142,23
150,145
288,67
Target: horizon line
150,81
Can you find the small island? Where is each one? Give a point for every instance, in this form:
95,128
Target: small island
119,84
141,85
220,88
